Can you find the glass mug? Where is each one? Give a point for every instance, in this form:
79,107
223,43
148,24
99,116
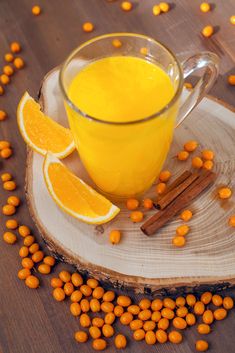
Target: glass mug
124,158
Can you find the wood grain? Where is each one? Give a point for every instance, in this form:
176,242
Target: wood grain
30,321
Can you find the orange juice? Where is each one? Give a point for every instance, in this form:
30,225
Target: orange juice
122,159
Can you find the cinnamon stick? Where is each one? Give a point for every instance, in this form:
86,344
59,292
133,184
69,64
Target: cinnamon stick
172,195
176,182
162,217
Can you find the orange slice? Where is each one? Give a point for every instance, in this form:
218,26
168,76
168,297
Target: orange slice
41,132
74,196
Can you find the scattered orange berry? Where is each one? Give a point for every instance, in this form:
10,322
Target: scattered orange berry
132,204
199,308
27,263
220,314
160,188
208,155
120,341
197,162
231,221
190,146
182,155
81,336
8,57
65,276
186,215
148,204
9,185
228,303
15,47
156,10
161,336
164,176
231,78
6,177
205,7
208,317
206,297
13,200
29,240
19,63
24,231
150,337
9,238
38,256
225,193
24,273
58,294
49,260
201,345
179,241
188,85
144,51
164,6
182,230
126,5
8,210
24,251
4,79
88,27
232,20
117,43
136,216
56,282
6,153
175,337
99,344
1,90
217,300
208,165
190,319
115,237
3,115
8,70
32,282
36,10
4,144
11,224
207,31
44,269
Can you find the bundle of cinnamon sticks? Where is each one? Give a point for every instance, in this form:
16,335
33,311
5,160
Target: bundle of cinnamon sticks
182,191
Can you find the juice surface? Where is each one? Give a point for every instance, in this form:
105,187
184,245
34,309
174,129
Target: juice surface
121,88
123,160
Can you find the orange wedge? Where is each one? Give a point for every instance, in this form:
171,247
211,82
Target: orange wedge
41,132
74,196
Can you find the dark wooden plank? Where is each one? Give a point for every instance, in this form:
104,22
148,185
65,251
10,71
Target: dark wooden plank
31,320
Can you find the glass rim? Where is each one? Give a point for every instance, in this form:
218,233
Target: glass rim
119,34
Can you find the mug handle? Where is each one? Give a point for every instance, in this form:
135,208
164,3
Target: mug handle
210,63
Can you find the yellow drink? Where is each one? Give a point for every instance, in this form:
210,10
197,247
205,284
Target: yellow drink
123,160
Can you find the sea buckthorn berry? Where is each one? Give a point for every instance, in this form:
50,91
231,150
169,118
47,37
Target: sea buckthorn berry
1,90
24,251
99,344
8,70
56,282
179,323
169,303
133,309
8,57
9,238
6,153
32,282
98,322
85,320
126,318
161,336
160,188
179,241
139,334
208,155
191,300
208,317
120,341
132,204
15,47
208,165
149,325
145,315
207,31
6,177
206,297
123,300
9,185
156,10
109,318
188,85
107,307
116,43
98,292
108,296
164,6
36,10
144,51
225,193
19,63
13,200
84,303
144,304
34,248
164,176
186,215
88,27
11,224
180,301
228,303
217,300
94,305
231,221
69,289
175,337
201,345
49,260
197,162
44,269
182,230
5,79
4,144
86,290
24,231
118,310
148,204
75,309
231,78
220,314
27,263
3,115
190,319
167,313
107,330
76,279
95,332
232,20
76,296
65,276
205,7
92,282
150,337
115,237
199,308
24,273
190,146
163,324
136,324
8,210
156,305
182,311
81,336
29,240
203,329
156,316
126,5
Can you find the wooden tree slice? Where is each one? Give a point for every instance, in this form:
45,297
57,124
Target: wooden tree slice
147,264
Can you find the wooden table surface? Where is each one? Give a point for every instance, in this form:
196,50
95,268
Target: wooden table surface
30,320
